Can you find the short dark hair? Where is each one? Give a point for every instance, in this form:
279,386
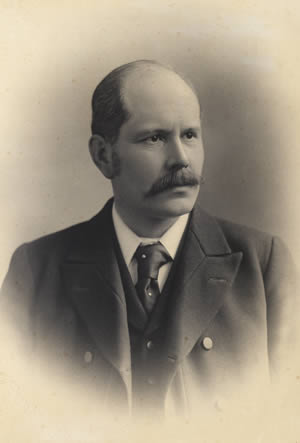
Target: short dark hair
108,109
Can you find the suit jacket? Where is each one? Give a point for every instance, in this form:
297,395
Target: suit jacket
229,320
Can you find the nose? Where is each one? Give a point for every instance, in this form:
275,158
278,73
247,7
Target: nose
176,154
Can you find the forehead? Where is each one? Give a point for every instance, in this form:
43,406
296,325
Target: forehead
152,94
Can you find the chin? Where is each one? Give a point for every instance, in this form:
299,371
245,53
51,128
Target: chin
174,207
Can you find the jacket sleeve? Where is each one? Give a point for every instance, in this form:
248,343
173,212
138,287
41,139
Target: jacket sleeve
17,294
282,297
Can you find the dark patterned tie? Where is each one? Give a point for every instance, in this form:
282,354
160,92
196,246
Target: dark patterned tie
149,258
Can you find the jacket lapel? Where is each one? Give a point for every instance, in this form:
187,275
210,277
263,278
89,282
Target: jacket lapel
93,284
207,270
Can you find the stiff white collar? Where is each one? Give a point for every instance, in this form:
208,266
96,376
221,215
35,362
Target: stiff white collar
129,241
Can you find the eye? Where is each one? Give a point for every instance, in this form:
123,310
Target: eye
189,135
154,138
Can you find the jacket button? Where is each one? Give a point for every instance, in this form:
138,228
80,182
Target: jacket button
220,404
207,343
151,381
88,357
150,344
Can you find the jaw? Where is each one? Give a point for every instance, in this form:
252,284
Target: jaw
159,217
174,202
152,216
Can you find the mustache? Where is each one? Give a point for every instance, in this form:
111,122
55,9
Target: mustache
181,177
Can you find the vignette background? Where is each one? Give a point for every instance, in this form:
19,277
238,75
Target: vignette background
243,58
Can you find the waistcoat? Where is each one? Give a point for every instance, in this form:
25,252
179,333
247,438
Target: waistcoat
148,333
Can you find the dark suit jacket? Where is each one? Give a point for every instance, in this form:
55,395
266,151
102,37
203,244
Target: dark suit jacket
64,292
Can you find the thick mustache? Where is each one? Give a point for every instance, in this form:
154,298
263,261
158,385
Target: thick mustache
181,177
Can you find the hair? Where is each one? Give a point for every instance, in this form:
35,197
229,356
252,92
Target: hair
109,112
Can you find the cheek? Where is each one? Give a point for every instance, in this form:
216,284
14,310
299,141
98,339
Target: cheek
133,178
197,159
143,169
116,164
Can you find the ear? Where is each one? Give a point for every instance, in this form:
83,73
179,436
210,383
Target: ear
101,153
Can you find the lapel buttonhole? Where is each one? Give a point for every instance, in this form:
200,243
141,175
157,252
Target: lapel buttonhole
80,288
217,280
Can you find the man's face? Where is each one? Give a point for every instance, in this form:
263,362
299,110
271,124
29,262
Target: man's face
159,149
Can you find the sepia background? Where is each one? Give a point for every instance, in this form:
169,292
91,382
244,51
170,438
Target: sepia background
242,56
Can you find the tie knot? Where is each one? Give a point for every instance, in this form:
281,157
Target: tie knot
150,258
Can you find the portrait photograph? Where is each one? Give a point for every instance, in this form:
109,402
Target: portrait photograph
150,247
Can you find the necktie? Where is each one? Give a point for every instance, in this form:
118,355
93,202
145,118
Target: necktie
149,258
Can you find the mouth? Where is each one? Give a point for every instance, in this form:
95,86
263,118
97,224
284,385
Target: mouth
178,188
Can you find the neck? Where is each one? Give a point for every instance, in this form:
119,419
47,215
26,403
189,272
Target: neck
146,227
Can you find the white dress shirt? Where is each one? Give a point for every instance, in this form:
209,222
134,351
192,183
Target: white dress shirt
129,242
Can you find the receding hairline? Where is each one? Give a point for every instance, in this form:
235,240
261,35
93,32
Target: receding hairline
124,71
141,65
109,108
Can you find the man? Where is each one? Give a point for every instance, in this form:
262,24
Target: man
154,301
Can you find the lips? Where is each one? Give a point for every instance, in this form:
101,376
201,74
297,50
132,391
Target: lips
178,185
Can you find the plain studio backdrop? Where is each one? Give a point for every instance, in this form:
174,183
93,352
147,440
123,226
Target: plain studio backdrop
242,56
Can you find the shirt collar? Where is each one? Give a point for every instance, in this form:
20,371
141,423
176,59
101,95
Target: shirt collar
129,241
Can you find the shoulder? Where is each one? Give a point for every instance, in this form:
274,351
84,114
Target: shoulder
52,249
251,239
57,243
244,236
256,245
31,260
270,250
